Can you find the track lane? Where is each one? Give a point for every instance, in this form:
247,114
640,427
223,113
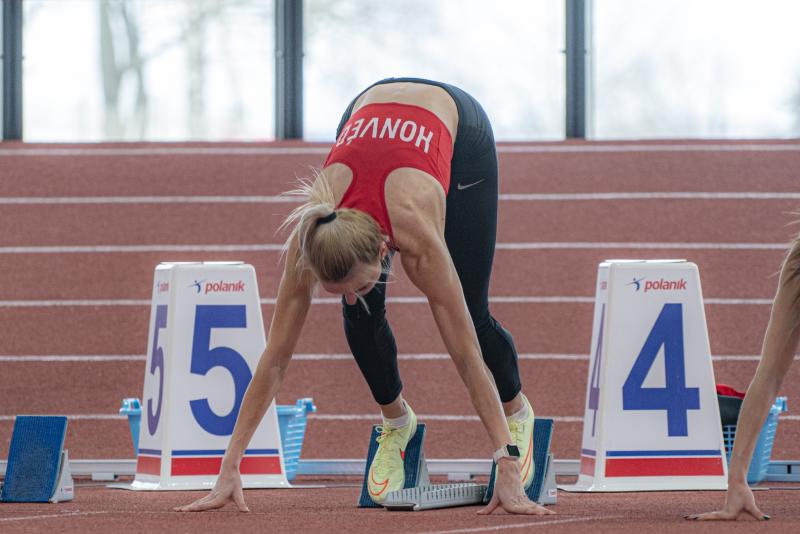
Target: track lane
539,167
665,221
91,276
336,386
537,328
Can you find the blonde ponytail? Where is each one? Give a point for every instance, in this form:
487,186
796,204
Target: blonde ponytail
330,241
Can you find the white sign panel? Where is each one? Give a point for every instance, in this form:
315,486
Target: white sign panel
206,337
652,418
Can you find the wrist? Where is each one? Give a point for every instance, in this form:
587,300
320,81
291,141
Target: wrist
229,464
507,464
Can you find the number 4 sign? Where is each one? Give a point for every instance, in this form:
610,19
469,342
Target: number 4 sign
651,420
206,336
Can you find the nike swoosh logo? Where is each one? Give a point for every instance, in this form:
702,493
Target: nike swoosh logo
383,485
461,186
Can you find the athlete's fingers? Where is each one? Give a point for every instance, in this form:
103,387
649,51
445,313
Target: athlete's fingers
238,498
209,502
753,510
528,508
719,515
491,507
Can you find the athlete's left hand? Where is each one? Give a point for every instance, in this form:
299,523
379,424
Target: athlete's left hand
738,500
509,494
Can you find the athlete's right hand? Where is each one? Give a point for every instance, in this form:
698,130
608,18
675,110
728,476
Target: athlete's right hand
227,489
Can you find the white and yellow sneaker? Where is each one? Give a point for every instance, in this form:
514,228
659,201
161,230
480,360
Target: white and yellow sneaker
387,473
522,434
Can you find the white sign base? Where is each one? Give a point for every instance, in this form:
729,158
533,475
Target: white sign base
652,420
206,337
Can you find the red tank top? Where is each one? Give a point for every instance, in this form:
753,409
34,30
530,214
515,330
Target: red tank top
380,138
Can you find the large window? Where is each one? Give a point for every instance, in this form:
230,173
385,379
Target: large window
507,54
175,70
688,68
148,70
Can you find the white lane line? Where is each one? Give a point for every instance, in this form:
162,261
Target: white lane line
322,417
527,525
282,199
49,516
278,247
74,358
337,301
355,417
423,357
254,199
502,148
627,148
591,245
166,151
94,249
75,417
685,195
429,417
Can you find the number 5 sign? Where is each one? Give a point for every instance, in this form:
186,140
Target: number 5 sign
652,419
206,336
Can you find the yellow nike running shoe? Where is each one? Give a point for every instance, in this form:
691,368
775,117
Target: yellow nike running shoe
387,473
522,434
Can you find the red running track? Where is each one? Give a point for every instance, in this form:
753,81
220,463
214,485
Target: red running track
78,259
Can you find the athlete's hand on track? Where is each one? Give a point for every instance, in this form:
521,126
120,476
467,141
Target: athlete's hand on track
738,499
227,489
509,494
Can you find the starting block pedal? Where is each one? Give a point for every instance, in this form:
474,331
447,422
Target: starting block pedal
38,465
543,488
418,492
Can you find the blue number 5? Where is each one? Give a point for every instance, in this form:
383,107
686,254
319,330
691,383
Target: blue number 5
676,399
157,362
204,359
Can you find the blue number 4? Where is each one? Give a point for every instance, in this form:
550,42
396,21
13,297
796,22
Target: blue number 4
676,399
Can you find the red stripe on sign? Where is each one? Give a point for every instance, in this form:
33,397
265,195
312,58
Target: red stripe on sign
587,465
196,466
251,465
260,465
662,467
148,465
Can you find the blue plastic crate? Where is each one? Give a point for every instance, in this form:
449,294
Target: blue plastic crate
291,421
763,451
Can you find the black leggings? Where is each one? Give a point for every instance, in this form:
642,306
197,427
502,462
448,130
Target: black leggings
470,231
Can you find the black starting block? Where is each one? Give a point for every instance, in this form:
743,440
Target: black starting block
38,466
419,494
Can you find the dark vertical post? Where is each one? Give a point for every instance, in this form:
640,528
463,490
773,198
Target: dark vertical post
12,69
288,69
578,39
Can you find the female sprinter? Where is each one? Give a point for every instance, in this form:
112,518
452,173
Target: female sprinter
780,345
414,172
